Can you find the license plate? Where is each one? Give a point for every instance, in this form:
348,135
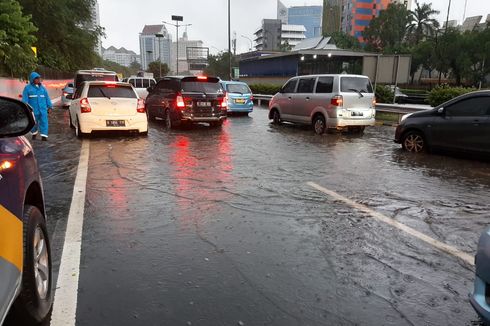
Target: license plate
356,114
240,101
115,123
204,104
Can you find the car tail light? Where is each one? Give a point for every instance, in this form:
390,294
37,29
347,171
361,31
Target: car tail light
141,106
65,93
251,97
180,102
224,102
337,100
202,77
85,106
6,165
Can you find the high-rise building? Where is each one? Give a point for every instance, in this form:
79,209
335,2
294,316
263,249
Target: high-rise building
282,12
273,33
155,45
94,24
308,16
121,56
184,44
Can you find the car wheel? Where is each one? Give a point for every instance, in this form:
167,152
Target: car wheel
216,124
150,116
414,142
72,126
78,131
276,117
319,125
36,298
168,120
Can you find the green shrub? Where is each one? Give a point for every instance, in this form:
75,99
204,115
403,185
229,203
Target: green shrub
384,94
443,93
265,89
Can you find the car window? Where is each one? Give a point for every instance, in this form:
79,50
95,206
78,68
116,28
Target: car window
80,78
238,88
355,85
78,92
110,91
70,84
290,86
470,107
324,85
306,85
201,87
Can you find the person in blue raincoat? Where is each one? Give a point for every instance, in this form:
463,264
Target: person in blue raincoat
36,95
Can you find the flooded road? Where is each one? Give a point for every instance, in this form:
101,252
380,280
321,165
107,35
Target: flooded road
207,226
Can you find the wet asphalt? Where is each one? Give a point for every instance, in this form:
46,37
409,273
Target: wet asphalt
207,226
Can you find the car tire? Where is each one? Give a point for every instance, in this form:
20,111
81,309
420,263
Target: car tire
36,297
78,131
319,124
71,122
414,141
276,117
150,116
216,124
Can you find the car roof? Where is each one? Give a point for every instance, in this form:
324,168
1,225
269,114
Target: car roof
100,83
79,72
331,75
233,82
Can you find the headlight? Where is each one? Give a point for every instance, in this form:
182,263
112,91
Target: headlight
404,117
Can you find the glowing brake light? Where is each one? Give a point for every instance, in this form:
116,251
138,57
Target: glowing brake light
65,93
111,86
85,106
180,102
337,100
141,106
202,77
6,165
224,103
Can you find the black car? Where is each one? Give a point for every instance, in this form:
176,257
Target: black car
25,256
186,100
461,124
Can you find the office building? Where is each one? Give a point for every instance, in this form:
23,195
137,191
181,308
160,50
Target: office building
121,56
308,16
155,45
93,24
282,12
273,34
187,48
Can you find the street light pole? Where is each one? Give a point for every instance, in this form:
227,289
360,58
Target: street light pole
177,19
447,17
229,40
251,43
159,37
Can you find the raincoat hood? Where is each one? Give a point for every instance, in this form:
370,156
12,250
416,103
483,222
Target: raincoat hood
33,76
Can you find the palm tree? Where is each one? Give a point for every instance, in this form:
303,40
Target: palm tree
421,22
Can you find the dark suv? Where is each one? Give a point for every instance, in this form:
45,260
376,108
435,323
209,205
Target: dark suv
186,100
25,256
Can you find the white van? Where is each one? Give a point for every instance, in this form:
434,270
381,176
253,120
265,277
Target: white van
141,85
344,102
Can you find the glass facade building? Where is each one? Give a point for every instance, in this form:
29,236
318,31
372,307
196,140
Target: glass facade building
308,16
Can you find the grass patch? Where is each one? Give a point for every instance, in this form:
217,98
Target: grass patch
386,116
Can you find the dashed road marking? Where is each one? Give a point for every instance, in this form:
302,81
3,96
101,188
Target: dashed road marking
385,219
65,300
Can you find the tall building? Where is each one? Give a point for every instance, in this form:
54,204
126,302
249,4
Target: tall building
282,12
153,47
94,24
121,56
184,44
308,16
273,33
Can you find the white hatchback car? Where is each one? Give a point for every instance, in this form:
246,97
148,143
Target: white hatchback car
107,106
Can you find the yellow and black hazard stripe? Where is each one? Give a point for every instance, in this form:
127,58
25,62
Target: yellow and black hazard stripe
11,238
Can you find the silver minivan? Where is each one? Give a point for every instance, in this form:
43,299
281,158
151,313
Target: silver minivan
342,102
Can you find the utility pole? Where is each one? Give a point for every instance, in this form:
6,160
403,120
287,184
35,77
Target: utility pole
159,36
229,40
177,19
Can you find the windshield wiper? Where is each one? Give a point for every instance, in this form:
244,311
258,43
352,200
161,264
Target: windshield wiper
357,91
104,94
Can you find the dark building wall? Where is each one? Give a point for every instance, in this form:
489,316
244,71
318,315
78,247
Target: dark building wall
281,66
272,34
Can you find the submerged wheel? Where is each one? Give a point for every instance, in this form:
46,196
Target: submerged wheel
319,125
276,117
414,142
168,120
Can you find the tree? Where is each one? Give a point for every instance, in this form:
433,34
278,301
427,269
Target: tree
134,67
218,65
422,24
66,34
16,39
386,33
154,67
285,47
346,41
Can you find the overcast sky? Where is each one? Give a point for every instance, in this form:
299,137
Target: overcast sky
124,19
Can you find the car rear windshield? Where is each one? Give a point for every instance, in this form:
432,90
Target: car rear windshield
111,91
200,87
93,77
238,88
355,85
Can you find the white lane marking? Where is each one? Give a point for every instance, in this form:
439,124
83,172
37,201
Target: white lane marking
65,300
385,219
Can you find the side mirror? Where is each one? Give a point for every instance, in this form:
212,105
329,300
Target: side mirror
440,110
69,97
16,118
